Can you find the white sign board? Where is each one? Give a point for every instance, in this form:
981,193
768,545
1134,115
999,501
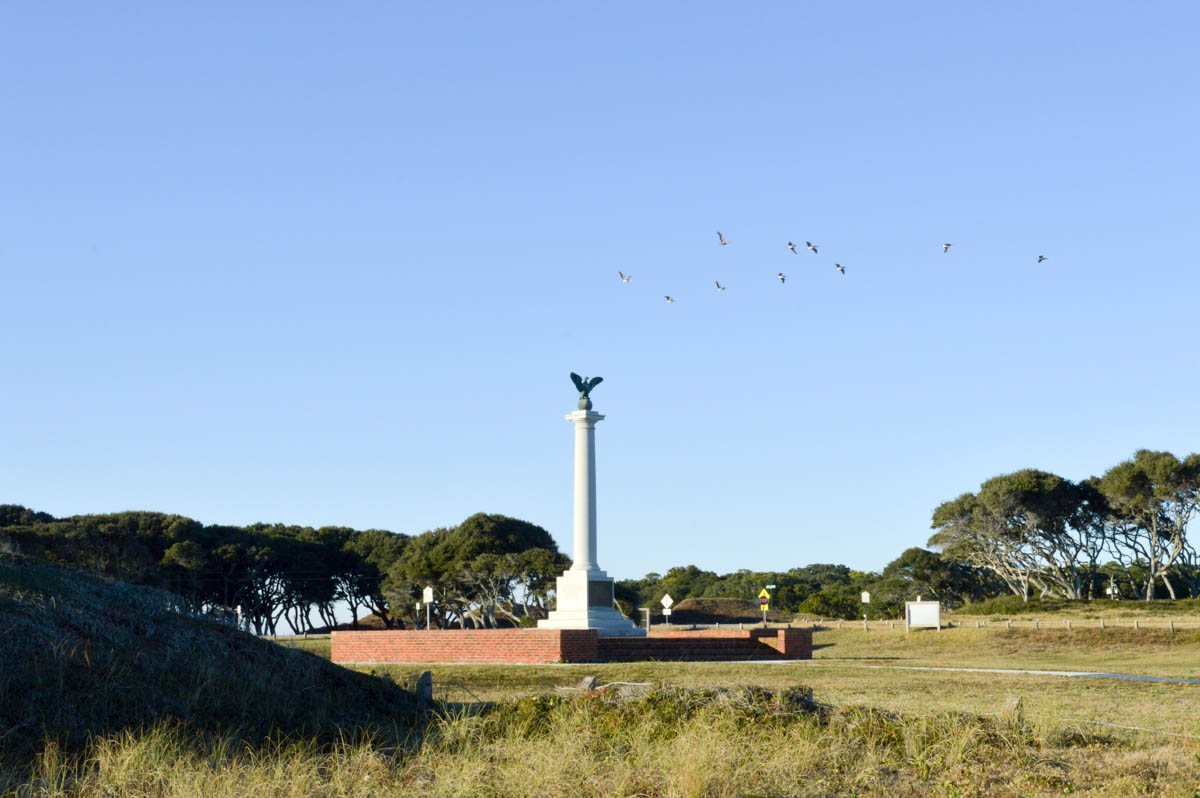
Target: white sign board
922,615
428,597
866,597
667,601
667,611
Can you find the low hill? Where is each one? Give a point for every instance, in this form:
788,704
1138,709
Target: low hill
720,610
81,656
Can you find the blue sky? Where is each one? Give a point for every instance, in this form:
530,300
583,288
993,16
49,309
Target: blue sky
316,265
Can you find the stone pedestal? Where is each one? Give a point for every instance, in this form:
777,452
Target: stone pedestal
584,592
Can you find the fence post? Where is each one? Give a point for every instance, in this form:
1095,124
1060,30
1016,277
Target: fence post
1037,624
1135,626
1068,625
1008,624
1172,626
1101,623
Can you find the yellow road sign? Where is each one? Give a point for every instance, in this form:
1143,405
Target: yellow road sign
764,594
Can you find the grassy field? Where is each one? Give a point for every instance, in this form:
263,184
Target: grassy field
852,668
157,705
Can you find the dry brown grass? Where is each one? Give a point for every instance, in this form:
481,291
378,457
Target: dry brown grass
666,745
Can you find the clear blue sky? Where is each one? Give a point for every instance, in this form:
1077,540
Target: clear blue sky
325,264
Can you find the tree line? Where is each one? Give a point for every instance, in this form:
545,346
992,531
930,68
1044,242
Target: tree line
1020,533
488,571
1126,530
825,590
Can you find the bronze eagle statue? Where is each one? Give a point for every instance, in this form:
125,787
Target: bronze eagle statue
585,385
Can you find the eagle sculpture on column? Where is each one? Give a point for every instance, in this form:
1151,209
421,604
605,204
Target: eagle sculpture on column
585,387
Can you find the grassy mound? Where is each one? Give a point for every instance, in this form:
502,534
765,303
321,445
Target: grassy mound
722,610
82,657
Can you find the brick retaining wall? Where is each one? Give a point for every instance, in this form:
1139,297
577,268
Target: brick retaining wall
469,645
531,646
709,644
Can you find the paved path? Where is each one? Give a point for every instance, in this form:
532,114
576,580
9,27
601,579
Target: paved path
1128,677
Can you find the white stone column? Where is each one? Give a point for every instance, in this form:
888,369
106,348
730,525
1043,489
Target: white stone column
585,489
584,593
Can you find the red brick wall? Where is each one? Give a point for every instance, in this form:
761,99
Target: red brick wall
471,645
566,645
709,644
794,643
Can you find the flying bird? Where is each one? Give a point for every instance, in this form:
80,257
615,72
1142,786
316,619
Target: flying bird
719,286
840,267
722,238
625,277
1041,258
945,247
811,246
792,247
782,277
670,298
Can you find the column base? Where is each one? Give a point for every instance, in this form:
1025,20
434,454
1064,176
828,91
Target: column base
585,601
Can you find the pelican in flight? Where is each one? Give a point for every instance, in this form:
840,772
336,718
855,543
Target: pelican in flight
782,277
840,267
811,246
670,298
792,247
721,238
1041,258
719,286
625,277
945,247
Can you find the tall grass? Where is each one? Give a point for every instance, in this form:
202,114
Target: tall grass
669,743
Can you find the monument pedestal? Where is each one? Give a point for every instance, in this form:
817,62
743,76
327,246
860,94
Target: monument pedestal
584,592
585,601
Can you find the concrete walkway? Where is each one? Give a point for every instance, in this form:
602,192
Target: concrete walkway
1128,677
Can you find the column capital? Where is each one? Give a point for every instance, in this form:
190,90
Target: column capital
584,415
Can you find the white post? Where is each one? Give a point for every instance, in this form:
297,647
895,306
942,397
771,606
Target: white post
585,489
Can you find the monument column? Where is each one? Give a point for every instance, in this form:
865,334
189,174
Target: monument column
585,489
584,593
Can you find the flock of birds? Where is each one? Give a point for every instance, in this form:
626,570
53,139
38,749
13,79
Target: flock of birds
810,246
